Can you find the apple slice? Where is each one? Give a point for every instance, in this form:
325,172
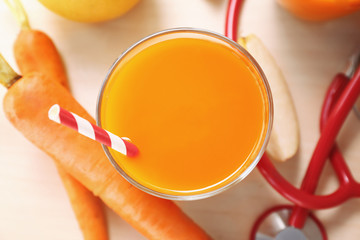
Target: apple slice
284,138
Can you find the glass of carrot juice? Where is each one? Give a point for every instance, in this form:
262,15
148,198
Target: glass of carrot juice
197,106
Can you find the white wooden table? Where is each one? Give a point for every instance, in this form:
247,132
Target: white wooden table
33,203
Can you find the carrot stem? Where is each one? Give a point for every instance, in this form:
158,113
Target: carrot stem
7,75
18,11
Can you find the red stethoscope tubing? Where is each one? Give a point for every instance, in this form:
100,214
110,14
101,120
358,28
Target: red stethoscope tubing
346,180
232,19
340,98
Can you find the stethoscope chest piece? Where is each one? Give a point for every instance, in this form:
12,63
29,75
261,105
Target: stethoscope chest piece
273,225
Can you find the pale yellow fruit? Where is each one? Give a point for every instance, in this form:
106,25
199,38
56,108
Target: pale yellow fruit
284,138
89,10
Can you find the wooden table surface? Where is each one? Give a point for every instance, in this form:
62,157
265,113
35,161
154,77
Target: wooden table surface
33,203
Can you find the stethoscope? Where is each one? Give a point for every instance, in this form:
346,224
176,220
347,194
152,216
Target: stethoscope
297,222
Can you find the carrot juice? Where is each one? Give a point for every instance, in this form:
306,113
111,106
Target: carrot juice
195,104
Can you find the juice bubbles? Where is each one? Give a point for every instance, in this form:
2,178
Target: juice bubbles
195,104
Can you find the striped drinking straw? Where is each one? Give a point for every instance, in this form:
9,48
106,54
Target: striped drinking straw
84,127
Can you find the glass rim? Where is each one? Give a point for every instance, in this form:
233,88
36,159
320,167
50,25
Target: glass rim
259,153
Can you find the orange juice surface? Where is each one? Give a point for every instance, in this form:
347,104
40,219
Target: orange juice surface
197,110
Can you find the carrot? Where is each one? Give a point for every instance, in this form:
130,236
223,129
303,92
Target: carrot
26,105
87,207
35,52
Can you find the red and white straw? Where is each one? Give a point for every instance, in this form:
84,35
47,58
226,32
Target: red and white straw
84,127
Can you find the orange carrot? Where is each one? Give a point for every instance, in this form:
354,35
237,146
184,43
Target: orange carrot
35,52
87,207
26,105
